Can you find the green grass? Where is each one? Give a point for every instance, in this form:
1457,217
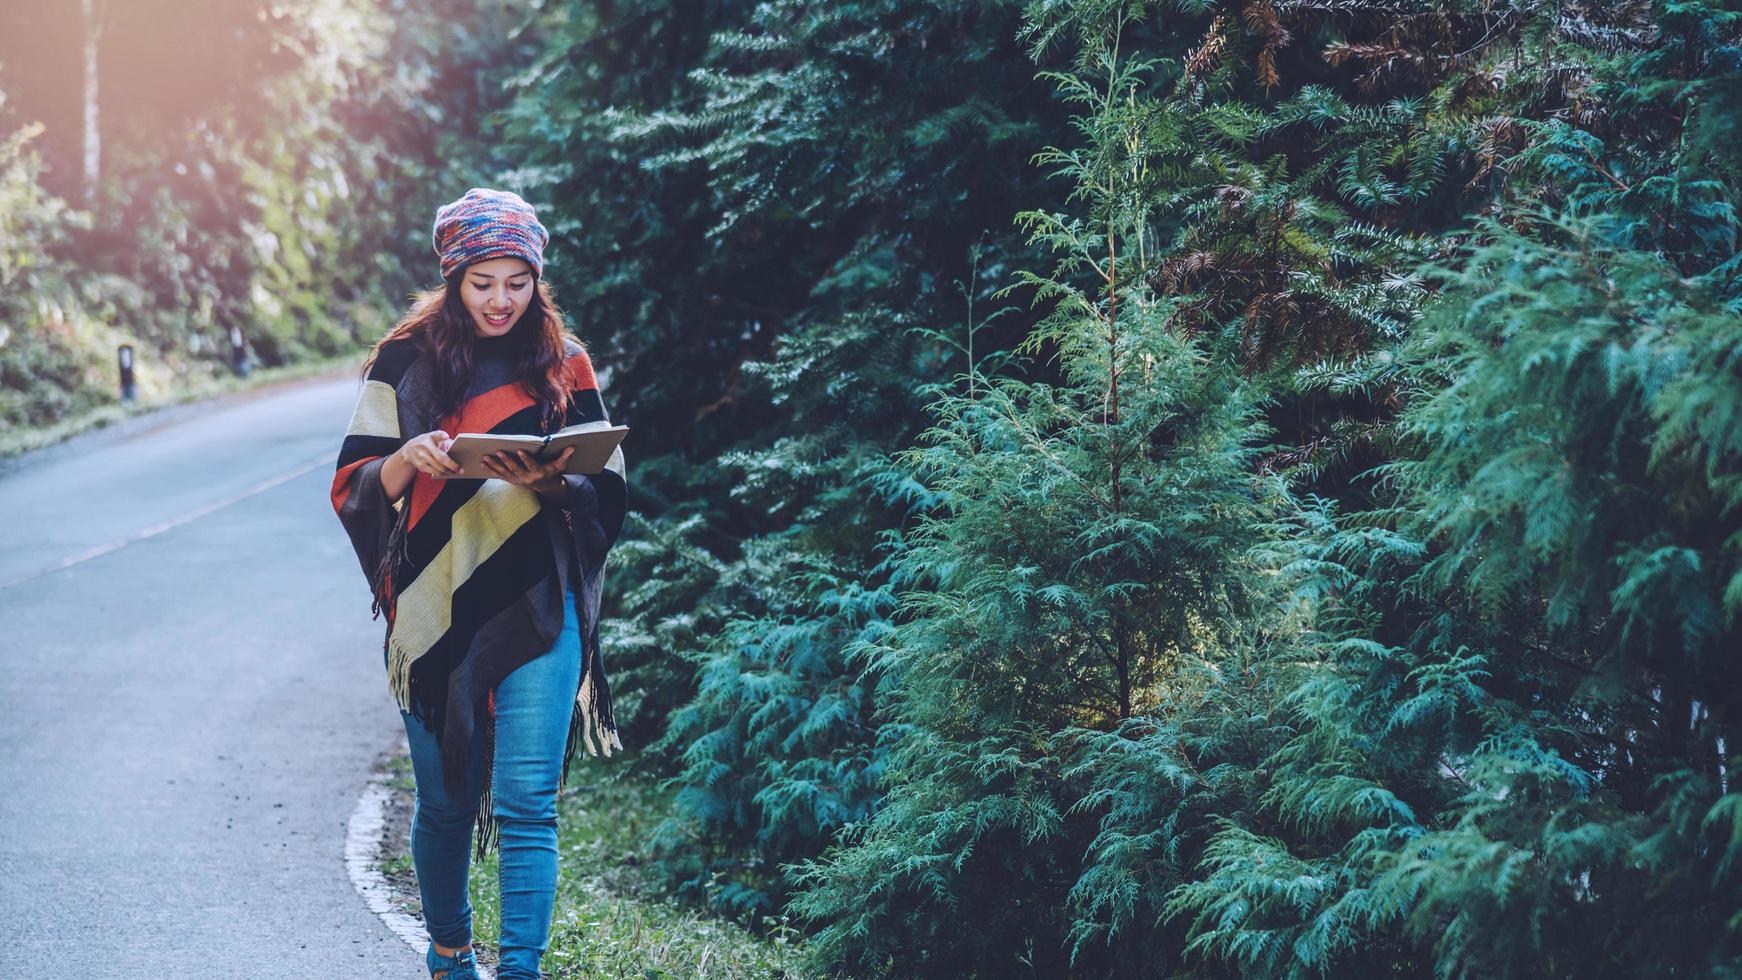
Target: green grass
403,778
611,919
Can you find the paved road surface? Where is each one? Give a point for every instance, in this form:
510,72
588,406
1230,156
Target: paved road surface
191,695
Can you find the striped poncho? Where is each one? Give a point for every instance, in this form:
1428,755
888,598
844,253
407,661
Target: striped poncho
472,573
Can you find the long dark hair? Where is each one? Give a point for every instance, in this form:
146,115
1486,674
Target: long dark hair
438,322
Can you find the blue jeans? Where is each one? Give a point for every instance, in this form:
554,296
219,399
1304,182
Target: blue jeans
533,707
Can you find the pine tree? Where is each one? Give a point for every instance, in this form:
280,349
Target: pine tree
1086,561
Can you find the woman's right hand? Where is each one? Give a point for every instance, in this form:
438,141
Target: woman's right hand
428,454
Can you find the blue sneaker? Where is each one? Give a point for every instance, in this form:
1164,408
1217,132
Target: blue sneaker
460,966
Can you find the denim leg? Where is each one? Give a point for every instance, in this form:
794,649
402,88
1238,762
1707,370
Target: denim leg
533,707
441,837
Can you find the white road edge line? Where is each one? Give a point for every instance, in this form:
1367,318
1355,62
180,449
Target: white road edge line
362,843
170,525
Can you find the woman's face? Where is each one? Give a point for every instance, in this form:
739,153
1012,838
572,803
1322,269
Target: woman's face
496,292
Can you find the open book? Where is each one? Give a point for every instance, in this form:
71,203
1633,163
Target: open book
593,441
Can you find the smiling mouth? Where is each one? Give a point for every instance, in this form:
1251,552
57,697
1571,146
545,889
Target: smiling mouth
496,319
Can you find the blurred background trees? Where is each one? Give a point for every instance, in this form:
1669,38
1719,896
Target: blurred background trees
260,168
1123,489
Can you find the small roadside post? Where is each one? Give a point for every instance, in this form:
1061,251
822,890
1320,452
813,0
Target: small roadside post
238,352
128,388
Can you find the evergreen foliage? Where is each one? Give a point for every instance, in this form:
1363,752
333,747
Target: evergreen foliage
1470,717
1051,607
1520,652
1094,551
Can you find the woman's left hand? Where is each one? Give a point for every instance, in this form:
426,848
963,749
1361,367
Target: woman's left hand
520,469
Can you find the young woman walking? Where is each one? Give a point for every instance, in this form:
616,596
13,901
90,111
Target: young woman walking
491,586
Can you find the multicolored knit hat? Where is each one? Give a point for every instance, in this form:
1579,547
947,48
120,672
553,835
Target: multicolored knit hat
487,224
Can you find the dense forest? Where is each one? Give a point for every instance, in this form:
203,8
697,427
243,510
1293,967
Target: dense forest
1205,489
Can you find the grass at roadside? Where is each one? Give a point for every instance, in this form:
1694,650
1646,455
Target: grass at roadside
24,439
611,919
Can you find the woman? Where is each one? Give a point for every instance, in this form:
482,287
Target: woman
496,681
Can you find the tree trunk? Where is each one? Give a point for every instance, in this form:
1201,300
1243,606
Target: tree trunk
93,32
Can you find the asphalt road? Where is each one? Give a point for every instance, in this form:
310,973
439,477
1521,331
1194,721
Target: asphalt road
191,695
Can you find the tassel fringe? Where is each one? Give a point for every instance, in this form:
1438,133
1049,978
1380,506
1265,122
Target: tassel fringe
591,724
488,834
399,661
393,557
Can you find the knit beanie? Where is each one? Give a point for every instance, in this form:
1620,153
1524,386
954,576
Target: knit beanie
487,224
